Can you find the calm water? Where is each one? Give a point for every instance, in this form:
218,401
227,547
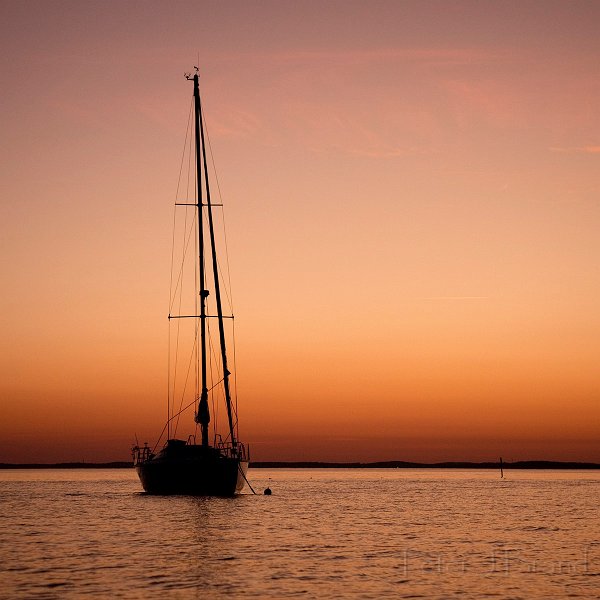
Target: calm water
322,534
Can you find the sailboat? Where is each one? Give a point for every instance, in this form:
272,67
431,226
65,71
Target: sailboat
214,467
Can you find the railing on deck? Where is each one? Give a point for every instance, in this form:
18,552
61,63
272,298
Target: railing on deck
141,455
232,451
227,449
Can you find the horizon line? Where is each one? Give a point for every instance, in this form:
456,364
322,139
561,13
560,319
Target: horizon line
519,464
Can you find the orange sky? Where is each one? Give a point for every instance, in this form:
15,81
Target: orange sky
412,199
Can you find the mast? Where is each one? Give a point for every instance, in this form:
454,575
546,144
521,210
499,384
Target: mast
215,267
203,414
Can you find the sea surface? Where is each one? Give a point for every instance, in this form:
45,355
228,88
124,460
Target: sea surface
324,533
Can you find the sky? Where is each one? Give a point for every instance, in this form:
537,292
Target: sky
412,198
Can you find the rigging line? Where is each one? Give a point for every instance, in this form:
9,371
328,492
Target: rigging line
180,287
197,288
187,130
213,356
185,251
191,153
180,283
182,408
216,384
227,288
160,436
213,253
218,366
210,369
168,373
183,257
212,159
186,246
235,391
167,423
245,478
227,291
193,402
187,377
180,274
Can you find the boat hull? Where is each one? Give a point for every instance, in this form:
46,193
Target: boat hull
201,475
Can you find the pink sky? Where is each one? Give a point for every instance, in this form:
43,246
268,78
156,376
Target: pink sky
412,194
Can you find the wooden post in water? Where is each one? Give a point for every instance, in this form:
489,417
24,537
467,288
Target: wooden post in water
501,470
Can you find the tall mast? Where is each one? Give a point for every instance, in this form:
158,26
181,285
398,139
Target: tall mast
203,414
215,269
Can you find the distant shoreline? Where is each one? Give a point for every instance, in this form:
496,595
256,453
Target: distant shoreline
393,464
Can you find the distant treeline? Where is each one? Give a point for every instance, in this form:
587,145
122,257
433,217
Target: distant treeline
69,465
392,464
398,464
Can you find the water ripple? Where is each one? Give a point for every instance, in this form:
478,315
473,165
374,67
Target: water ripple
323,534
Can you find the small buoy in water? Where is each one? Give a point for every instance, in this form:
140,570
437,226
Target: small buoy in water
267,491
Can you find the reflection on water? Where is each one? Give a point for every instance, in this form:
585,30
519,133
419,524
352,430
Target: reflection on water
323,534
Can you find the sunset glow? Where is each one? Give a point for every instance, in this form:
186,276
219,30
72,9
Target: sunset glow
412,202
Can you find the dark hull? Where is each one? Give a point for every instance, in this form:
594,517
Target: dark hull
193,475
